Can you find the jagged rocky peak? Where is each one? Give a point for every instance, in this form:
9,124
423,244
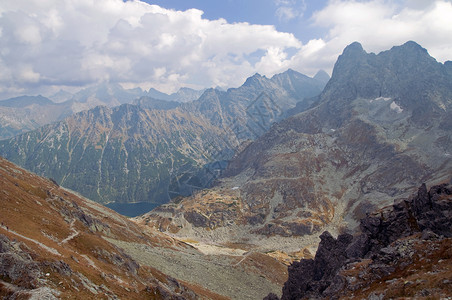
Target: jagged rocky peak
292,73
290,76
404,73
257,80
413,47
211,92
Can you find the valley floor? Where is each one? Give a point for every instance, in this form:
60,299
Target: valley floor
233,273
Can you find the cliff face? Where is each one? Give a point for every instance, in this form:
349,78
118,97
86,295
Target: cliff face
380,128
403,250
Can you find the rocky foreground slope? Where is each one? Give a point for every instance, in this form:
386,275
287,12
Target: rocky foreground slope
55,244
403,250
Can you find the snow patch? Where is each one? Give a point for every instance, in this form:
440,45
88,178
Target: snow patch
380,98
394,106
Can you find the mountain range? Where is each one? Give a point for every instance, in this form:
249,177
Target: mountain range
330,180
25,113
55,244
155,151
380,128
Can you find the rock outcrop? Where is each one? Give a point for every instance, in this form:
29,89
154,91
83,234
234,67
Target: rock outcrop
394,241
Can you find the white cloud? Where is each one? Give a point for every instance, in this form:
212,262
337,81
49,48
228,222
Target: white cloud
286,13
287,10
77,42
27,74
72,43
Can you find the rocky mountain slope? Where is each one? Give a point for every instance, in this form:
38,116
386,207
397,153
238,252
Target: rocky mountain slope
248,112
153,103
124,154
55,244
381,127
403,250
137,153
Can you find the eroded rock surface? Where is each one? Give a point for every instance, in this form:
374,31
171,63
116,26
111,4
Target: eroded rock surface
398,245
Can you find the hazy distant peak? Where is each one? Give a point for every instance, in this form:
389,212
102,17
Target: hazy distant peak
255,79
291,71
23,101
322,76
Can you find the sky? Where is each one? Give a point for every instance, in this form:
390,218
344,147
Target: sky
49,45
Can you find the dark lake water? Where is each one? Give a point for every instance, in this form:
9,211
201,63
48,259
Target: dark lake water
132,209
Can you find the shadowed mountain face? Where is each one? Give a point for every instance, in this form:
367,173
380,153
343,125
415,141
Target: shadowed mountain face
127,153
381,127
156,150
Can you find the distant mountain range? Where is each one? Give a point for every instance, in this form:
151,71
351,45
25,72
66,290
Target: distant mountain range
381,127
22,114
157,150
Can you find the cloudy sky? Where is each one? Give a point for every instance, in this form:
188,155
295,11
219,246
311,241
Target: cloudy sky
47,45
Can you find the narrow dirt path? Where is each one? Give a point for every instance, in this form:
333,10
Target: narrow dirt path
45,247
73,234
